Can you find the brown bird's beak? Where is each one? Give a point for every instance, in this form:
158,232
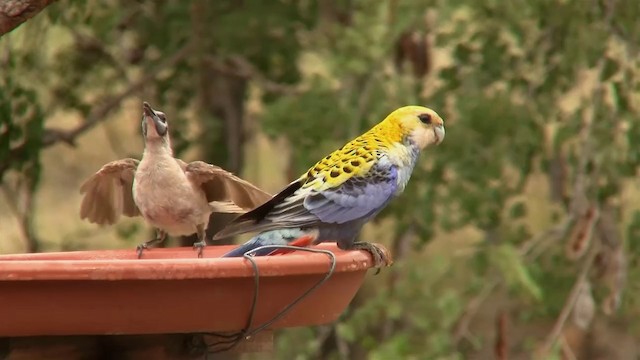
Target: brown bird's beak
157,119
148,111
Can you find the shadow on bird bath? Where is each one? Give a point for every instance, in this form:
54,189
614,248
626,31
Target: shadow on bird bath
172,291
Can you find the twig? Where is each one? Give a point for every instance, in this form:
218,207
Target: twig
567,352
552,236
329,341
23,216
91,44
501,348
98,113
556,331
579,202
461,329
401,248
11,201
576,208
608,7
240,67
553,233
16,154
343,348
53,136
526,250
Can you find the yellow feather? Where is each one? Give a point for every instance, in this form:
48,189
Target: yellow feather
358,156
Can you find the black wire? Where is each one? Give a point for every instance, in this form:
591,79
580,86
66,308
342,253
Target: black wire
288,308
231,340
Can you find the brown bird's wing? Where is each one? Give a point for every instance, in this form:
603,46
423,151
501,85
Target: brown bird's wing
222,186
109,193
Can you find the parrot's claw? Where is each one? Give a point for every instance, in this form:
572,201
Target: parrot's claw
140,248
381,256
199,245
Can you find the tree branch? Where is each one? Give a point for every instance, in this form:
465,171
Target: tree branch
240,67
526,250
555,333
501,346
109,103
98,113
15,12
24,213
578,205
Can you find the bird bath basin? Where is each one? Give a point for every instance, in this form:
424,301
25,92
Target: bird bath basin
170,290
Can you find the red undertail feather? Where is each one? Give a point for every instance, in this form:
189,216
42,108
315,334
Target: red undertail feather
302,241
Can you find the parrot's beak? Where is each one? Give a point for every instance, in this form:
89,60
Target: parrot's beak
438,131
153,119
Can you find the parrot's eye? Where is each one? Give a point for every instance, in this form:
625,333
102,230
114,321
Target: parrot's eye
425,118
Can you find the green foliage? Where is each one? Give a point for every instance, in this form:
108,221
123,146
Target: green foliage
510,263
408,307
511,70
21,124
290,115
517,83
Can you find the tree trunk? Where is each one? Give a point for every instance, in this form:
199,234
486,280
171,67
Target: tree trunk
221,108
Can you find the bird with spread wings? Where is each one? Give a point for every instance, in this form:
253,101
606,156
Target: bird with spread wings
173,196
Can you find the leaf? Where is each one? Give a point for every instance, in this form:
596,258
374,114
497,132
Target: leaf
346,332
515,272
610,68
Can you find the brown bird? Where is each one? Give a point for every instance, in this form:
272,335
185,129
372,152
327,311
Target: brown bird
175,197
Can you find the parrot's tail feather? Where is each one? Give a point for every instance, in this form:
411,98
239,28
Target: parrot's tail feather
302,241
296,237
255,243
248,222
248,246
237,227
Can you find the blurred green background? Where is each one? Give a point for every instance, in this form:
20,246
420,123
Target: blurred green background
518,235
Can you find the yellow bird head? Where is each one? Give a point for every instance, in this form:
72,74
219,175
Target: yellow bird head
421,125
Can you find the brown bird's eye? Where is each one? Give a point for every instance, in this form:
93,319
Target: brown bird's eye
162,117
425,118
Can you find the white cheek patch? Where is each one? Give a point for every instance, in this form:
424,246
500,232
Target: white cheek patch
423,137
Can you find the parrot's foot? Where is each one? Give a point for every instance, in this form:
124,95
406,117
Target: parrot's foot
200,245
381,256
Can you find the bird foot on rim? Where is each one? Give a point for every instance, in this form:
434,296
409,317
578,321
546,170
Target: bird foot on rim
145,245
381,256
200,245
140,248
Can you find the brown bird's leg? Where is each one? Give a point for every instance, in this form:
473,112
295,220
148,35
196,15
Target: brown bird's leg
160,236
381,256
202,242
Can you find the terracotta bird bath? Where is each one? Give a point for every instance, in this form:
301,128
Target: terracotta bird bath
170,290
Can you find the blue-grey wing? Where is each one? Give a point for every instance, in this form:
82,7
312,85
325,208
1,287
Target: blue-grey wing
356,198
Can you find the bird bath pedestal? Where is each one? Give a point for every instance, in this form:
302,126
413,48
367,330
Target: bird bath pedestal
71,304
